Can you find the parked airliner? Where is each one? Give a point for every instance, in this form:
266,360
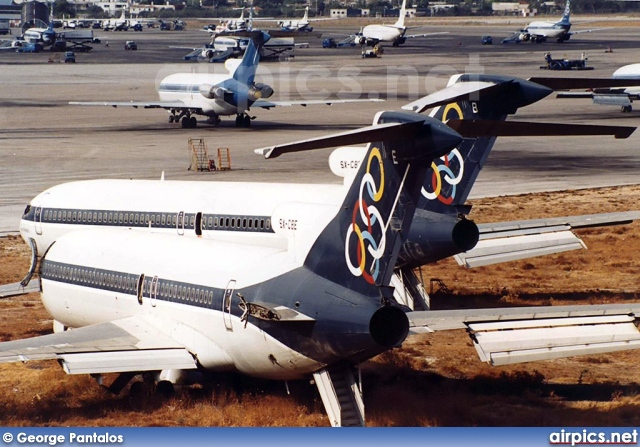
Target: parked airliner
372,35
186,95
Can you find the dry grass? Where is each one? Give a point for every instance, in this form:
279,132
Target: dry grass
434,380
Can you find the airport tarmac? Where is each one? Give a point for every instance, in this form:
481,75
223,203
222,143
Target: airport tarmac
45,141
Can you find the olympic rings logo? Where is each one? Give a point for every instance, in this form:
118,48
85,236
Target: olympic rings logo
442,170
366,217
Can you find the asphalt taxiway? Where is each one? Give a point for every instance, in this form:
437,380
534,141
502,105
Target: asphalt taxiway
44,141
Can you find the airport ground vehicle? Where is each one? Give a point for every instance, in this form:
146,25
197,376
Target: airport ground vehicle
69,56
130,45
487,40
565,64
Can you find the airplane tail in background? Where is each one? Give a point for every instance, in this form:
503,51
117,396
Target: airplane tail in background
403,13
305,17
246,71
450,178
567,14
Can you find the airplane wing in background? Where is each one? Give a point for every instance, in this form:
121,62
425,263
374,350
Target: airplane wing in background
505,336
426,34
270,104
126,345
177,105
516,240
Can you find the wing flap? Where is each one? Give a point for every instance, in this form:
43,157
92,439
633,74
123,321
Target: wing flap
525,341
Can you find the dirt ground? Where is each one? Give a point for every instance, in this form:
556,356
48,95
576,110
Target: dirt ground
434,380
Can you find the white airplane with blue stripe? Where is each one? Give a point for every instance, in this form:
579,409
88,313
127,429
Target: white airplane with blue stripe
188,95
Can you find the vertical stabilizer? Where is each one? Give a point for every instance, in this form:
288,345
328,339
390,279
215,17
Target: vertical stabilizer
246,71
305,17
567,14
358,249
403,13
450,178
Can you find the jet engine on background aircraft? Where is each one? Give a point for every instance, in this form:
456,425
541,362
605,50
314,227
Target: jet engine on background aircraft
259,90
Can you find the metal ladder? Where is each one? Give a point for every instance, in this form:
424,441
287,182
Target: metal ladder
341,396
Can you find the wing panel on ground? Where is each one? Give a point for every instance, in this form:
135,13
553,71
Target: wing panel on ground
127,361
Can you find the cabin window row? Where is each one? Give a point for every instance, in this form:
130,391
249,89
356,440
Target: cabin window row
180,293
92,277
244,223
112,217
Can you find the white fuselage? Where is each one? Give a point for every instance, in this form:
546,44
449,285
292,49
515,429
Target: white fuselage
382,33
185,87
225,211
80,288
546,29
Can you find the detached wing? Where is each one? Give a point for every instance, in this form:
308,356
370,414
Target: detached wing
18,288
511,241
126,345
168,105
264,104
525,334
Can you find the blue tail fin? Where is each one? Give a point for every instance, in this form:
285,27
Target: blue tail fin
451,177
567,14
246,71
358,249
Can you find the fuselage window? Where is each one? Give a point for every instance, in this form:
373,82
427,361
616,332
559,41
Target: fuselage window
192,222
215,223
268,224
73,217
136,218
126,218
84,216
262,224
110,217
164,220
99,217
153,220
233,222
210,222
64,216
120,218
174,220
146,219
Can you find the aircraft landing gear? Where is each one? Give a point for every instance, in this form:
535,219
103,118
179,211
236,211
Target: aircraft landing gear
214,120
243,120
626,109
189,122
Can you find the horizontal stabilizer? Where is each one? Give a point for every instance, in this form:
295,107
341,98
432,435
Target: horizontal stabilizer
508,342
378,132
584,83
457,92
506,249
483,128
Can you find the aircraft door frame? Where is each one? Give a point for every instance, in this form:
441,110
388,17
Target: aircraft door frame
153,291
227,301
180,223
37,215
